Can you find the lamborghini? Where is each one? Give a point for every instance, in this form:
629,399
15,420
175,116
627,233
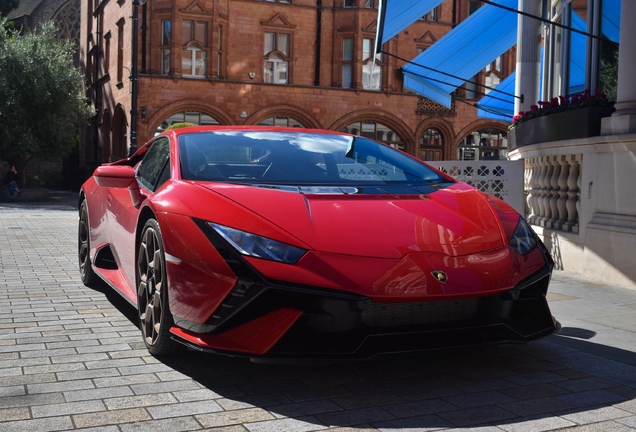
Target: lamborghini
288,243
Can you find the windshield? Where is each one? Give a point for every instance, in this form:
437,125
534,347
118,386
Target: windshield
297,158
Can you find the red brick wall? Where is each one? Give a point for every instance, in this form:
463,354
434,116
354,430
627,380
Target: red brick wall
244,23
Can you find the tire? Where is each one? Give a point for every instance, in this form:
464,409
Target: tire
88,275
155,319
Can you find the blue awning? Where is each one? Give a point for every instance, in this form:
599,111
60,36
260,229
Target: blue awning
499,104
577,54
463,52
491,106
396,15
611,22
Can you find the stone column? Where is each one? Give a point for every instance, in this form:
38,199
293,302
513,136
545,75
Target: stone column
563,192
554,192
573,193
623,121
528,56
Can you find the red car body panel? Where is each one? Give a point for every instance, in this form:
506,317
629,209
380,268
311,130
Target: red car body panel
387,248
456,220
255,337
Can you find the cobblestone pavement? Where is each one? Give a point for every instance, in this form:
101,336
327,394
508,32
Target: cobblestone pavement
71,357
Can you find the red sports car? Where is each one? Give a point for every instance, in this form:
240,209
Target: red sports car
297,243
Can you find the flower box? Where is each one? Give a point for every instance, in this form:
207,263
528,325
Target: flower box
576,123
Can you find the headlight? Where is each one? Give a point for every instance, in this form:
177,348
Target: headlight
259,247
523,240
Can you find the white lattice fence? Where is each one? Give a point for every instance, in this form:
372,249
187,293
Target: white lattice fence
501,178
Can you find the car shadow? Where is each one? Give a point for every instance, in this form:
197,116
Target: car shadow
562,380
560,376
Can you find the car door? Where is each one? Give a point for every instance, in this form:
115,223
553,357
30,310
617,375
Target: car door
151,173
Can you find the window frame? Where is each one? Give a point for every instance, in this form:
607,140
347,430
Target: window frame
150,183
195,46
166,46
277,57
437,149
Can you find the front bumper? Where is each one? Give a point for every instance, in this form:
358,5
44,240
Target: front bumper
296,322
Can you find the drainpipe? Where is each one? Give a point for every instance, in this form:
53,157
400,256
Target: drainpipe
318,41
144,28
134,77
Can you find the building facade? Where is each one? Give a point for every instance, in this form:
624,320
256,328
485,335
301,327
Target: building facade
303,63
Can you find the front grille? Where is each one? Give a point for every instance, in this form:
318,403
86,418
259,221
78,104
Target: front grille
401,314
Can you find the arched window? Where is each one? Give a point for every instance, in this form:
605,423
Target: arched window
493,73
376,131
432,145
67,24
277,57
195,117
371,67
194,39
281,121
484,144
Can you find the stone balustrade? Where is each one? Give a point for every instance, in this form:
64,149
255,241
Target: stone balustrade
553,191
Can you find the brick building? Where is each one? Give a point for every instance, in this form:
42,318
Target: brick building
304,63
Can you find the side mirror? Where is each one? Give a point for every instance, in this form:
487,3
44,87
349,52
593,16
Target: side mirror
119,177
114,176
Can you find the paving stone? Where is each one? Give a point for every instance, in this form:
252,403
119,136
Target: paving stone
594,415
252,400
472,400
164,387
87,374
474,416
67,408
605,426
355,417
414,424
536,378
202,394
12,414
235,417
40,425
98,393
590,398
111,417
139,401
534,391
59,386
299,409
302,424
419,408
536,424
592,383
628,421
530,407
173,425
368,400
305,394
61,367
126,380
183,409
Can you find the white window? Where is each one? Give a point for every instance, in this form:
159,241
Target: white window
194,37
276,48
276,70
193,61
371,68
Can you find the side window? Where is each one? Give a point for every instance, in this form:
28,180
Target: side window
153,163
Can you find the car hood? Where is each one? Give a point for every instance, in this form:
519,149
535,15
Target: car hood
454,220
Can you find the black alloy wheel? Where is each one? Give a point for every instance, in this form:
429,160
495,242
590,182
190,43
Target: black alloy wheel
152,292
88,275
